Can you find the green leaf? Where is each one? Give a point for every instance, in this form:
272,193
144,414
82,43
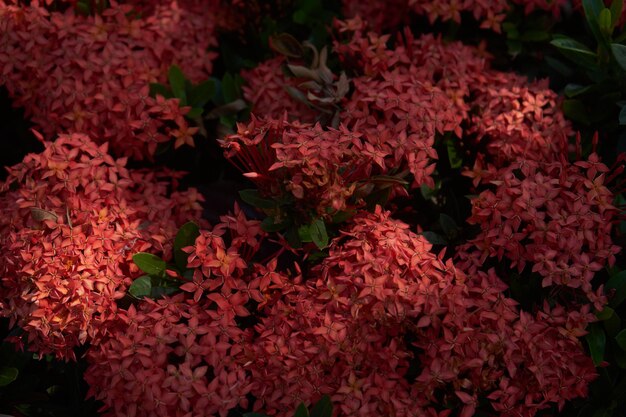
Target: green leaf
161,90
617,283
573,90
575,51
323,408
605,314
229,88
253,197
434,238
177,82
7,375
318,233
202,93
304,233
619,52
535,36
269,225
149,263
621,339
575,110
185,237
194,113
448,225
141,287
593,8
456,161
596,339
301,411
605,22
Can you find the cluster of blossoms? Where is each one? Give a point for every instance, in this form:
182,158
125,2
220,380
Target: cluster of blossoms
186,355
490,13
73,218
381,302
91,74
555,217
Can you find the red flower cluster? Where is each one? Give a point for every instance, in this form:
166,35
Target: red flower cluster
91,74
180,356
554,217
381,301
73,218
491,13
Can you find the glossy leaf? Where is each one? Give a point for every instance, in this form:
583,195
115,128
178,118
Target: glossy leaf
7,375
185,237
176,79
202,93
253,197
301,411
596,340
617,286
141,287
575,50
149,263
323,408
619,52
319,236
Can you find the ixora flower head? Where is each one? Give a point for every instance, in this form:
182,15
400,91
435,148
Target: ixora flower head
73,218
91,74
386,327
555,218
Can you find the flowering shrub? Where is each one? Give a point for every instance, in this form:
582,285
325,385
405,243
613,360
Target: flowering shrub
414,234
73,218
91,74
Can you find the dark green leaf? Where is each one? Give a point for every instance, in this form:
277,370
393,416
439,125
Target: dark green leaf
573,90
229,88
323,408
194,112
617,285
149,263
434,238
448,225
301,411
593,8
253,197
621,339
596,339
575,110
141,287
7,375
605,314
456,161
269,225
318,233
161,90
535,36
202,93
185,237
177,82
304,233
575,51
613,324
619,52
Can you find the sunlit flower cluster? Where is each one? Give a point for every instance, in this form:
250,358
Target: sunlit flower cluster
73,218
91,74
